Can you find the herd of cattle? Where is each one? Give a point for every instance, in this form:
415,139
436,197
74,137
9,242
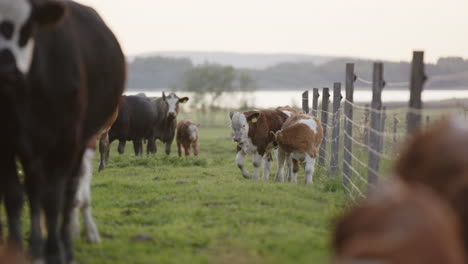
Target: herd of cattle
62,74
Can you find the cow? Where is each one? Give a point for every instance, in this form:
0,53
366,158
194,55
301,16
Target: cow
400,224
167,108
299,140
187,137
135,122
62,73
252,134
438,159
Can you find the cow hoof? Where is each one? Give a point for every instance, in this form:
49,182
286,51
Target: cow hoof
38,261
94,238
246,176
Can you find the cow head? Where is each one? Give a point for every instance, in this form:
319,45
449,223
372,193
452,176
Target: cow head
193,131
172,101
19,20
240,124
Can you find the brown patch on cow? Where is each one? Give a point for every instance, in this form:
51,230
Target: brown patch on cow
399,224
183,138
438,158
261,123
298,137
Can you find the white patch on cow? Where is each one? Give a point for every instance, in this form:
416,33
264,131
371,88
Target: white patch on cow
240,127
172,102
17,12
288,113
192,131
310,122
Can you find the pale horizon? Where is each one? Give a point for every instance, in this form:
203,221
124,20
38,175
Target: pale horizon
354,28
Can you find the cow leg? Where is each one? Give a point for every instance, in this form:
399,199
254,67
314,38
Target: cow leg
151,146
104,151
138,147
13,197
121,147
168,147
179,149
195,148
289,168
309,169
187,150
240,160
295,170
268,159
280,172
257,163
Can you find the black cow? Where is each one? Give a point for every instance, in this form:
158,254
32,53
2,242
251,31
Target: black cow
135,122
167,108
62,73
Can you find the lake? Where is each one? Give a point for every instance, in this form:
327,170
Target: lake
267,99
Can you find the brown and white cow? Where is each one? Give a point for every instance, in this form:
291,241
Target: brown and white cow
187,137
299,140
399,224
252,131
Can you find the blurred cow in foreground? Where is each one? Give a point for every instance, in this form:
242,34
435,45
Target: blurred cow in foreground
299,140
187,137
62,73
438,159
421,216
399,224
252,132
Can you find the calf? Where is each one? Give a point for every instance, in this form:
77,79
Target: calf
252,133
167,108
62,73
299,140
438,158
187,137
399,224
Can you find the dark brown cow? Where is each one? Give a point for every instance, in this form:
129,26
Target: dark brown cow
399,224
187,137
62,73
438,158
252,131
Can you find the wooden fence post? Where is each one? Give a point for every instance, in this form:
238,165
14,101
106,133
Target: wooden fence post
315,102
374,137
418,77
335,140
383,119
428,121
324,121
365,136
395,128
305,102
348,126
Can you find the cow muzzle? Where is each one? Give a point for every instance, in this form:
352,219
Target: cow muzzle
8,70
171,115
236,139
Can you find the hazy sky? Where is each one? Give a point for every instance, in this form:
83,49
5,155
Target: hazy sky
380,29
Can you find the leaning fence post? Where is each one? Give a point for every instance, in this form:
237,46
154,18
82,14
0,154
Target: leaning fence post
418,77
315,101
335,140
374,137
348,126
305,102
324,121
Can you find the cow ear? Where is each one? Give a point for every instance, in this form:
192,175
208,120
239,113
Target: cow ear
183,100
49,12
164,96
198,125
230,115
253,117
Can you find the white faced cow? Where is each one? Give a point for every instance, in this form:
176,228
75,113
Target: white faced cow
167,108
62,73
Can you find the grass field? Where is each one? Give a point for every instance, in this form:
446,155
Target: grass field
165,209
